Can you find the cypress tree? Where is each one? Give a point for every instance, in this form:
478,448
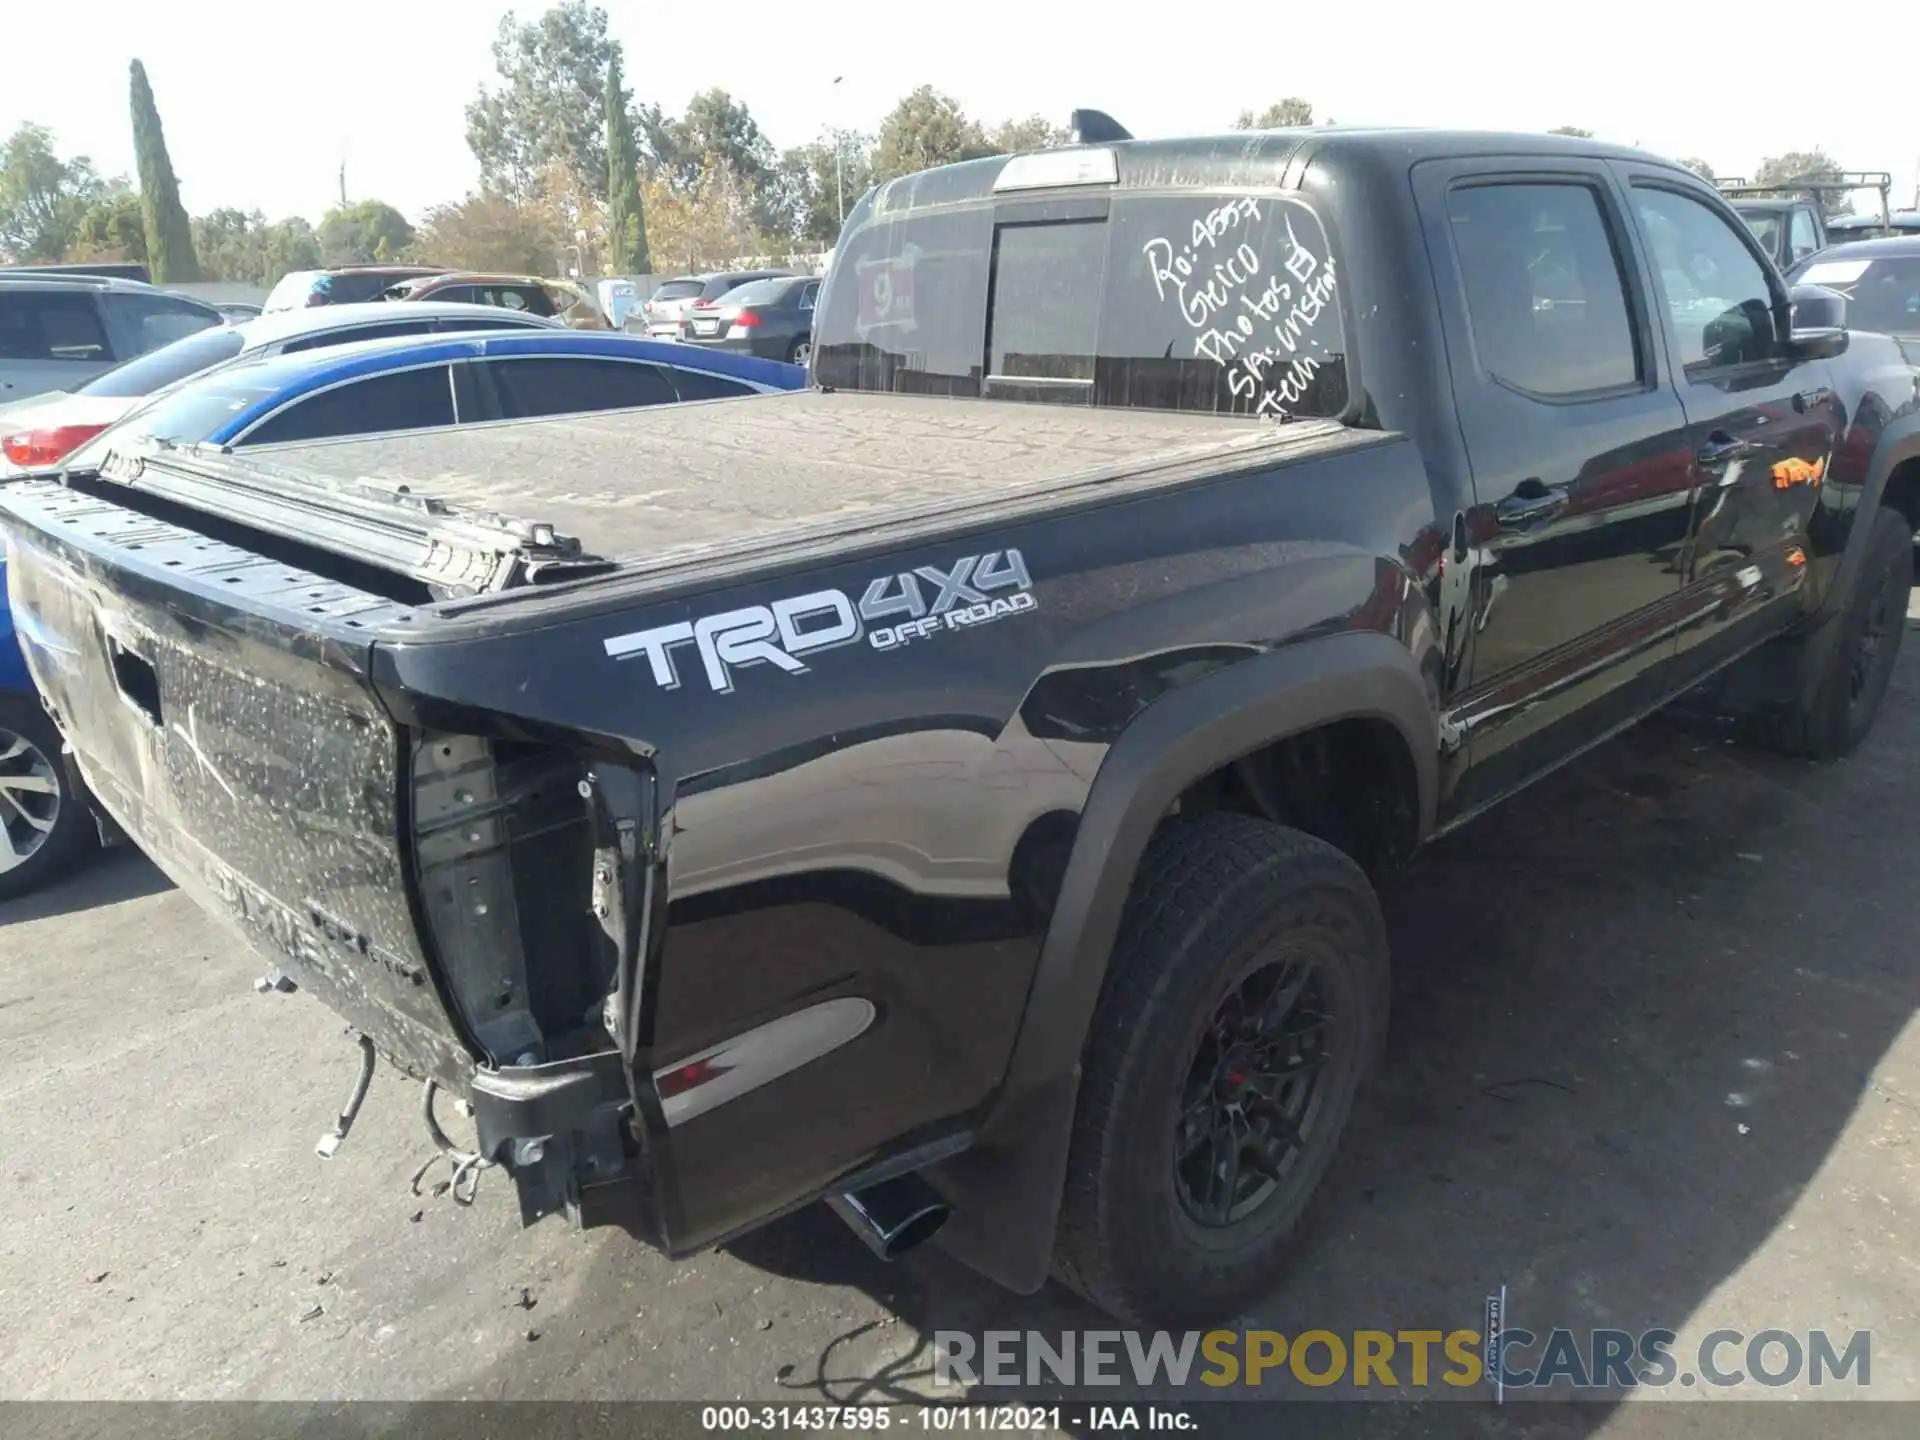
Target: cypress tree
626,224
170,255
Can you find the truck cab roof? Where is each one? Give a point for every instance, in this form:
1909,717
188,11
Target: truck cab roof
1243,156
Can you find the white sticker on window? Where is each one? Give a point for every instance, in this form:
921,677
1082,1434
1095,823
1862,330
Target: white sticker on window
1834,272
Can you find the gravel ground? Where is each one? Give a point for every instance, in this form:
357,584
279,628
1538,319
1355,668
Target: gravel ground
1655,1061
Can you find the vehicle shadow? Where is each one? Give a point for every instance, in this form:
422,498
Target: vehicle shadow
1634,1010
106,877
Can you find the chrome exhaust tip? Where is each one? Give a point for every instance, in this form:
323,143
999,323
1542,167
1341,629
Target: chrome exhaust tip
894,1216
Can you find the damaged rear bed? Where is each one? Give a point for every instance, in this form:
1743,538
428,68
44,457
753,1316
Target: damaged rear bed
385,705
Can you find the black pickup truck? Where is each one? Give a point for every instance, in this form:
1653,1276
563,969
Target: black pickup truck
954,790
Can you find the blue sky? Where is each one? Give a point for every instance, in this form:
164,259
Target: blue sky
261,101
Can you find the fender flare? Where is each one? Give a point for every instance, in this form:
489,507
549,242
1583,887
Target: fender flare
1899,443
1006,1189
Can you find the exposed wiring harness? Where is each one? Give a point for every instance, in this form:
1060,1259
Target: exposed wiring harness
465,1164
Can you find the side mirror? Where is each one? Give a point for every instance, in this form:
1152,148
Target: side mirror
1818,320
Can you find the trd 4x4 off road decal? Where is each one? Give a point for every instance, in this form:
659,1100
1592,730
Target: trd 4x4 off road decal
929,600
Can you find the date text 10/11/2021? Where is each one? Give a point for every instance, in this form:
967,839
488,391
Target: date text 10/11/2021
1243,316
942,1419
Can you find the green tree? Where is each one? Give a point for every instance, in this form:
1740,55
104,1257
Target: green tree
114,227
1036,132
232,245
660,152
926,129
1806,165
1291,113
551,104
43,198
1574,130
169,235
289,244
718,126
626,219
1700,168
363,232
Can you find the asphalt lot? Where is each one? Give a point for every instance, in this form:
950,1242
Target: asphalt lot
1655,1061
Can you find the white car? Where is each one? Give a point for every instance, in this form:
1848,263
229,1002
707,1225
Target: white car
36,434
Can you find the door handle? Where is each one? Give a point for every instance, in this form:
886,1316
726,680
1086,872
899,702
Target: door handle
1530,503
1721,449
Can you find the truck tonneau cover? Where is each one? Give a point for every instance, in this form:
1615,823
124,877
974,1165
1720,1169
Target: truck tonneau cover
678,479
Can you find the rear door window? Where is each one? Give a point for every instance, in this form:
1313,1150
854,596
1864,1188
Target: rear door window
350,287
51,325
146,322
1546,298
562,385
398,400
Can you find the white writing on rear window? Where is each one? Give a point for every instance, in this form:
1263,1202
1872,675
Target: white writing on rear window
1249,314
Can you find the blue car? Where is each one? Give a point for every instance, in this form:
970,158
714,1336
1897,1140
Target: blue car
44,824
370,387
409,382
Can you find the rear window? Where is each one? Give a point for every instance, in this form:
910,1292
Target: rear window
678,290
187,416
353,287
291,292
1195,302
160,368
1883,296
1765,225
760,292
323,338
727,284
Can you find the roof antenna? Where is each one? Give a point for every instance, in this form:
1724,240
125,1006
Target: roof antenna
1096,127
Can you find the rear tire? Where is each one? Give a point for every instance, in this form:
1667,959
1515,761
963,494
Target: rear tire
1837,706
1186,1190
800,351
45,826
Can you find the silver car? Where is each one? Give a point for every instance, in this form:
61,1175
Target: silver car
660,317
59,331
